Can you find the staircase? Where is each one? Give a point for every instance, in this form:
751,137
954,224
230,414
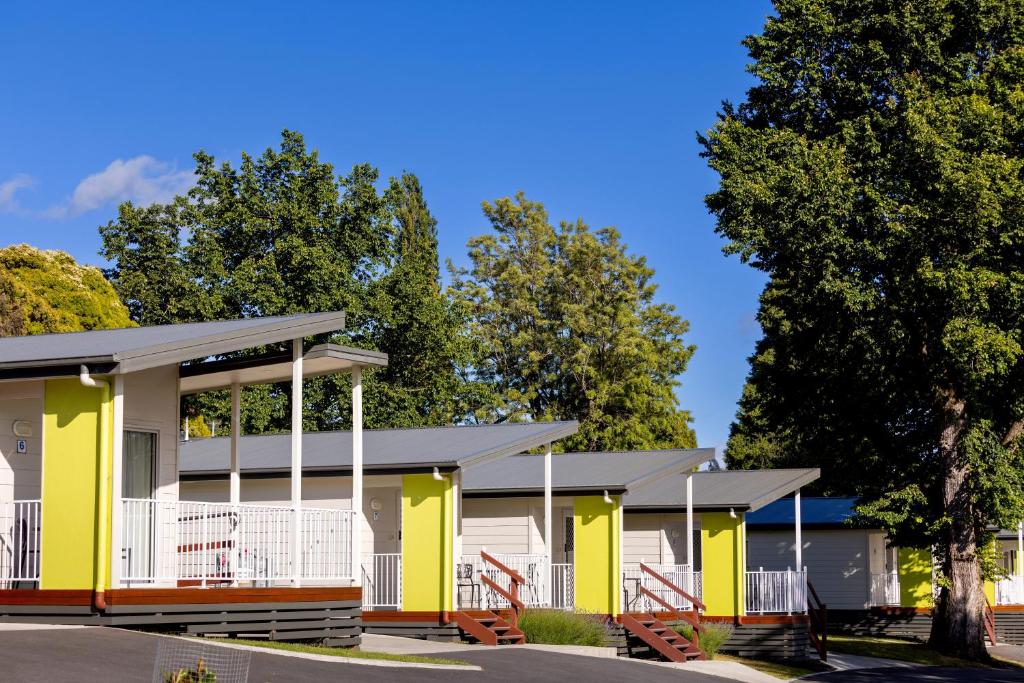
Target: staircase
488,628
660,638
655,634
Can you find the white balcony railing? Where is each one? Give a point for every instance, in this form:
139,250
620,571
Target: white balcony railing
382,581
885,589
219,543
678,574
563,590
776,592
473,590
20,524
1010,590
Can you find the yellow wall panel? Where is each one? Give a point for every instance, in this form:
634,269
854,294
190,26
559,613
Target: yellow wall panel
427,572
72,438
723,563
915,570
597,549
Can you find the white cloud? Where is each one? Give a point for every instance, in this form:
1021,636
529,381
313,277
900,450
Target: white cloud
8,188
142,180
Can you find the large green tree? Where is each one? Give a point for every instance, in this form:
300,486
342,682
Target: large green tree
875,173
281,234
47,291
568,328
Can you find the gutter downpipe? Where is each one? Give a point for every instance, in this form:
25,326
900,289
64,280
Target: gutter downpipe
103,488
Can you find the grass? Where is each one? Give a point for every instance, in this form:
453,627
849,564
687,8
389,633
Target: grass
557,627
712,637
349,653
781,670
903,650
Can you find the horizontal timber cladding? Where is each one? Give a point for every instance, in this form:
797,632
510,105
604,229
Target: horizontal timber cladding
1010,626
886,621
331,615
774,641
425,625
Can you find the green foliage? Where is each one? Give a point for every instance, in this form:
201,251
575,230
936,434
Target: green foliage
561,627
200,674
875,174
46,291
567,328
197,427
282,234
713,635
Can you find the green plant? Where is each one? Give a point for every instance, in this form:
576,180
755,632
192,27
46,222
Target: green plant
557,627
712,636
201,674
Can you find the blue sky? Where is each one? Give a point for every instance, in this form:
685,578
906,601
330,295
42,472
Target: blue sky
591,108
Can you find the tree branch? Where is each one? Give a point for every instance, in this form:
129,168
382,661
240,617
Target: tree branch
1014,433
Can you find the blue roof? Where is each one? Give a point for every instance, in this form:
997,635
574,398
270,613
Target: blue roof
821,511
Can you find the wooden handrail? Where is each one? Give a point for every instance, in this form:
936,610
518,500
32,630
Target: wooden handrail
677,613
512,573
671,586
513,598
817,614
989,620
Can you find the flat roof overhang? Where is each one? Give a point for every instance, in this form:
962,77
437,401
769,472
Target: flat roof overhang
396,468
555,491
323,359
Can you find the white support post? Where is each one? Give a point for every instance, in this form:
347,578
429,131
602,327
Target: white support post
1020,554
799,532
549,551
689,524
456,535
357,476
117,484
296,473
236,477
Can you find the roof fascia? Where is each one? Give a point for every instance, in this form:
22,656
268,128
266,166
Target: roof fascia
705,455
225,342
515,448
801,478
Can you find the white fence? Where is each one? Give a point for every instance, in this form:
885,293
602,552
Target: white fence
776,592
563,589
633,578
382,581
172,541
1010,590
20,524
473,592
885,589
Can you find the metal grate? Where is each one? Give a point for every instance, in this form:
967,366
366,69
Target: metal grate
189,661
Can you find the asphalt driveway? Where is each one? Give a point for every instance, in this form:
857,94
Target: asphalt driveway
922,674
100,654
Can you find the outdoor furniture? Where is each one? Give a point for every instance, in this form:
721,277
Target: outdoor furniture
465,579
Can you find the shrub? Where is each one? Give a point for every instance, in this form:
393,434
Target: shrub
712,636
557,627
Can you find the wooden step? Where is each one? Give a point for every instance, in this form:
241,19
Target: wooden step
489,628
660,638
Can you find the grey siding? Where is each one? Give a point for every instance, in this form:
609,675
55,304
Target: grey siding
836,561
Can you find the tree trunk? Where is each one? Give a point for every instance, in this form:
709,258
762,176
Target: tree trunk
957,627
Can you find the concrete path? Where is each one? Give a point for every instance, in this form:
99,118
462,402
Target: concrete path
844,662
1014,653
920,674
103,654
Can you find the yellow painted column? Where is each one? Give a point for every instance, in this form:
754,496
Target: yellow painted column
72,438
427,571
723,563
915,571
597,549
990,591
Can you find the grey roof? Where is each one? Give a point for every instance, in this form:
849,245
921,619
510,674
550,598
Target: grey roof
138,348
383,449
580,471
742,490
